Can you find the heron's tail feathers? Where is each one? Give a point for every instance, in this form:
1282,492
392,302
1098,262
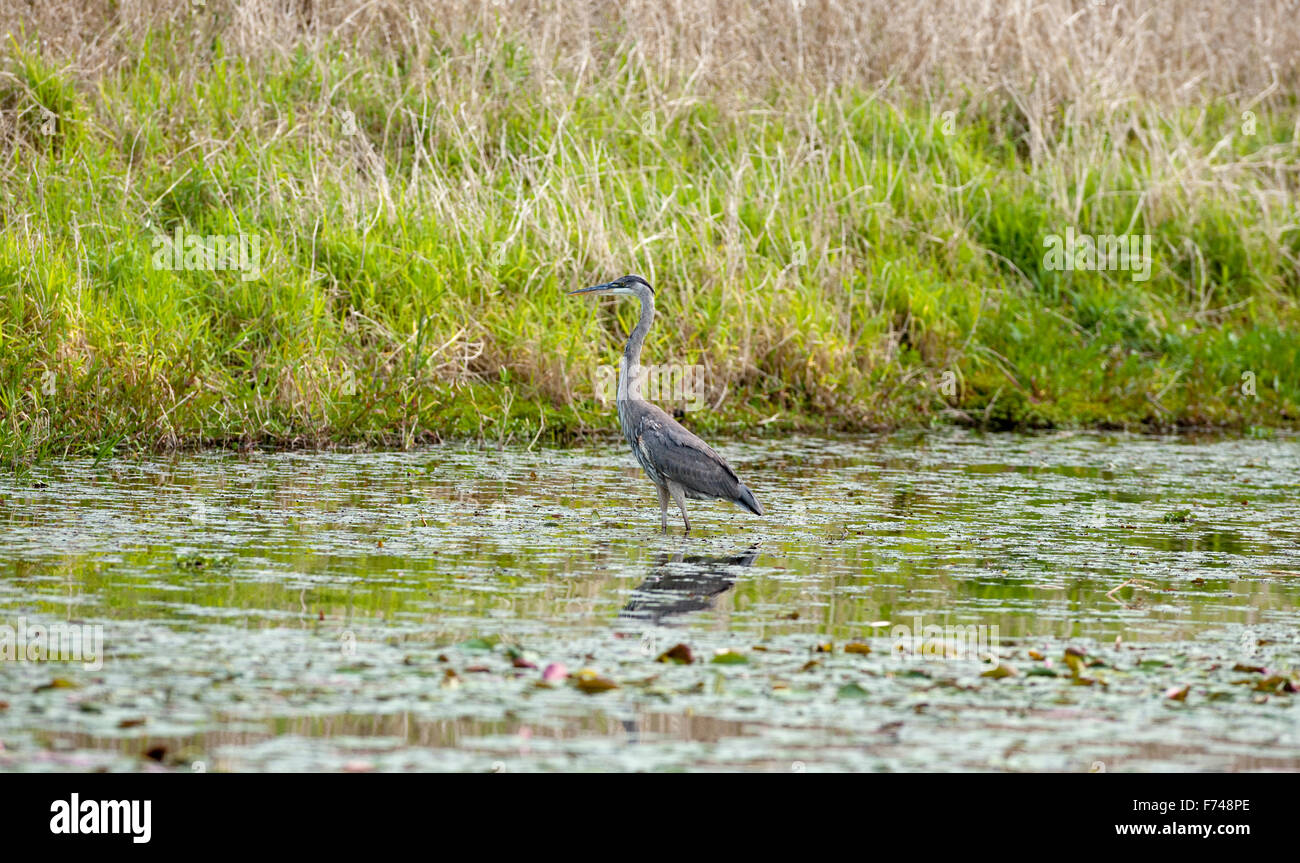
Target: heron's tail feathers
746,499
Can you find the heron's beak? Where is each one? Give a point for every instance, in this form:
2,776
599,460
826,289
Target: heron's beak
608,286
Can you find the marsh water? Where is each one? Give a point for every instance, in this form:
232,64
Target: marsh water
400,611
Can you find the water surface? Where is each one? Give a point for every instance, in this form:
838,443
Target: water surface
395,611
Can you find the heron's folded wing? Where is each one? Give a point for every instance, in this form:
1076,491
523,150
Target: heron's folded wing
683,458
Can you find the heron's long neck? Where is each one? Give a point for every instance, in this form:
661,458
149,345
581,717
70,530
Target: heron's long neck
630,373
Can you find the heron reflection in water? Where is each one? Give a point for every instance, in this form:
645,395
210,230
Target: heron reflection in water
679,584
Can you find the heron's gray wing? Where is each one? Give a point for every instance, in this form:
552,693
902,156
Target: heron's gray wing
682,457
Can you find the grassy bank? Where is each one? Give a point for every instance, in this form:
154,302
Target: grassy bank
844,215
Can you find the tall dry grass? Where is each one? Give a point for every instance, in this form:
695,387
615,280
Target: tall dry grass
1047,52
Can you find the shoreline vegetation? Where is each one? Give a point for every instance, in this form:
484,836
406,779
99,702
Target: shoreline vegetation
321,223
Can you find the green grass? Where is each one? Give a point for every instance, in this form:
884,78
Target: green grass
834,259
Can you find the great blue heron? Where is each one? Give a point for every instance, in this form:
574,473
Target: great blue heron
677,462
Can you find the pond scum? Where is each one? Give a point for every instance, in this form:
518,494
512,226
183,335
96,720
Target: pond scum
853,213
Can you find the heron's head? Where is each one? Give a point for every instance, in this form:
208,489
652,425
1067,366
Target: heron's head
633,286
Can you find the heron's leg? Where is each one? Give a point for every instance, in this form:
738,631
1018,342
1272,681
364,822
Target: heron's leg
663,506
679,497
